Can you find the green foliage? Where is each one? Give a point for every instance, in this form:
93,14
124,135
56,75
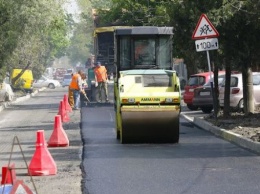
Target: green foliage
234,20
80,46
32,34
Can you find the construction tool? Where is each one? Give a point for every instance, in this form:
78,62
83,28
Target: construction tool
85,95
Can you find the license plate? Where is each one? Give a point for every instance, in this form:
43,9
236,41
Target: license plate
205,93
191,90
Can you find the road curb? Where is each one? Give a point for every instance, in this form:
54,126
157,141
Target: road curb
227,135
20,99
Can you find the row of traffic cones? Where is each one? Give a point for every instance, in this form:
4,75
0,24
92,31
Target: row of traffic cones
42,162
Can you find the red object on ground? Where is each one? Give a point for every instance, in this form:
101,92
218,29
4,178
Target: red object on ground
42,162
63,113
8,174
66,103
20,187
58,137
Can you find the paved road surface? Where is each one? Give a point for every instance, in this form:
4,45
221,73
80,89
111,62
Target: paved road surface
200,163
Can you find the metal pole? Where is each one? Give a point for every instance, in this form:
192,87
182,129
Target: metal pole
212,89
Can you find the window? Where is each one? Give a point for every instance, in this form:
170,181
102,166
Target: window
233,82
144,52
196,80
164,52
220,81
256,79
67,76
125,53
157,80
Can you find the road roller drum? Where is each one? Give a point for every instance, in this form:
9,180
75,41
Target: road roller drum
150,124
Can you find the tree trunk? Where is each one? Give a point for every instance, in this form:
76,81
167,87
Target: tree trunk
226,110
247,89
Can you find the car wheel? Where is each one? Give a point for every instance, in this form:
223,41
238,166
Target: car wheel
51,86
192,107
241,105
207,109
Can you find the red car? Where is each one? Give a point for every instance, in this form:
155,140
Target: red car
195,81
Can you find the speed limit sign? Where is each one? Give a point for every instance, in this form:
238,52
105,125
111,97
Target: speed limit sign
206,44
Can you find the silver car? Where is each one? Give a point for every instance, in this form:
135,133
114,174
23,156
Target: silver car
66,80
46,82
236,91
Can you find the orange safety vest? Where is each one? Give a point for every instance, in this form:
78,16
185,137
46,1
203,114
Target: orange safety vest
74,82
101,73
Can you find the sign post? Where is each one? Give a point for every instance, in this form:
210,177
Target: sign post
206,30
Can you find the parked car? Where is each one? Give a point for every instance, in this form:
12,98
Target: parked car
195,81
24,82
203,97
6,92
46,82
236,91
66,80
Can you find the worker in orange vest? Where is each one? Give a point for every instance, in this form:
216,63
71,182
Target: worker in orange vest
70,95
101,81
76,87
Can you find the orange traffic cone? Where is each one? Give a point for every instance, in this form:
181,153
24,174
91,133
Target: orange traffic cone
8,175
66,103
63,113
42,162
58,137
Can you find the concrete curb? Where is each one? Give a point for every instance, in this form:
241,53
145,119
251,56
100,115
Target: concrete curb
227,135
20,99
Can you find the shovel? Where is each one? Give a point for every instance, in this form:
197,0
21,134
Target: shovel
85,95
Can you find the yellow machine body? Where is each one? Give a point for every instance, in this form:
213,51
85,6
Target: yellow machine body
148,106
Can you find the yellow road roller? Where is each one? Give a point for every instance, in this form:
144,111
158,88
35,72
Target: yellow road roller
146,89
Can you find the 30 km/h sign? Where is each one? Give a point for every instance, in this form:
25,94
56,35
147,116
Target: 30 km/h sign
206,44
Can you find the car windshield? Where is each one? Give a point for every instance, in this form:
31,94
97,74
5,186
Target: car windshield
43,78
233,82
256,79
220,81
156,80
67,76
196,80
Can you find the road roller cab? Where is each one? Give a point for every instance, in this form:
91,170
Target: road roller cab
147,91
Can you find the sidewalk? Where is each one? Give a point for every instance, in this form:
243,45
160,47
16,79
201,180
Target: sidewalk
68,159
227,135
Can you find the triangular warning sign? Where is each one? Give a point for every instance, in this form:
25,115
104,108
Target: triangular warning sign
204,29
20,188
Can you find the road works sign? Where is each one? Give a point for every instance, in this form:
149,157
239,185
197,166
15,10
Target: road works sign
206,44
204,29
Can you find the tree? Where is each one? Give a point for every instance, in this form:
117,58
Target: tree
33,34
238,49
81,44
244,46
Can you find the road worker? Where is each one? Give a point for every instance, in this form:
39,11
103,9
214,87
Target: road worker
70,95
76,88
101,81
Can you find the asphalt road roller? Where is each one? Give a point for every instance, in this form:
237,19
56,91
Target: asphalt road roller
146,89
